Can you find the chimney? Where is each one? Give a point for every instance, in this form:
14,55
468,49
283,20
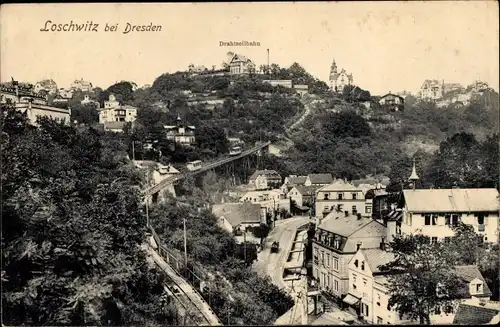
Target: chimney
358,246
382,244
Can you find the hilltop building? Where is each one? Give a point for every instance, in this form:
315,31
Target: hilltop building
239,64
81,85
47,85
338,80
114,116
432,90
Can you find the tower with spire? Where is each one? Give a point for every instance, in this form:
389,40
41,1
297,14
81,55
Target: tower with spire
413,177
333,68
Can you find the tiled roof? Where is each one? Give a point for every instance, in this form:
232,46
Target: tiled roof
238,213
320,178
306,190
339,185
469,273
376,258
268,173
452,200
296,180
474,315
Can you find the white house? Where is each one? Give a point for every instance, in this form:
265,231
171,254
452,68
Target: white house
180,133
269,199
265,179
432,212
342,196
238,216
339,80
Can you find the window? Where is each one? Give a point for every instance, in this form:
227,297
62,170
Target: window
454,220
356,263
447,239
362,265
479,288
447,219
336,284
323,258
434,220
427,219
336,264
328,261
325,196
328,281
368,209
434,240
379,320
354,210
354,196
340,196
364,283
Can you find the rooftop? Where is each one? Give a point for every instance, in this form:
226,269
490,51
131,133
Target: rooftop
339,185
238,213
452,200
265,172
295,180
320,178
377,257
469,314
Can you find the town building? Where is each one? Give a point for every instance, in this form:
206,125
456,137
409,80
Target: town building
34,105
341,196
478,86
265,179
301,89
433,212
114,116
279,82
66,94
235,217
338,238
180,133
271,200
318,179
431,90
339,80
302,195
291,181
81,85
239,64
47,85
392,101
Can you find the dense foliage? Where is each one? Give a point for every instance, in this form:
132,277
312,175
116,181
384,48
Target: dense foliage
236,293
72,228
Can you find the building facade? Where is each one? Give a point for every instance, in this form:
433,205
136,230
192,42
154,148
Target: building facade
47,85
81,85
393,101
265,179
431,90
341,196
239,64
180,133
337,240
433,212
339,80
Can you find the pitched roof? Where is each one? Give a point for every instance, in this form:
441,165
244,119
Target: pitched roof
392,95
265,172
306,190
337,223
296,180
469,273
339,185
474,314
452,200
238,213
376,258
320,178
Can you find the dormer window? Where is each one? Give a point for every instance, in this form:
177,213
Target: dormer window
362,265
479,288
356,263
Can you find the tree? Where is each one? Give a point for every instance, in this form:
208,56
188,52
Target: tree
422,278
261,231
72,225
123,91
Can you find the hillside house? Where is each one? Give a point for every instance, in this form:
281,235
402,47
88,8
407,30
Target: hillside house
392,101
337,240
265,179
47,85
239,64
87,100
292,181
235,217
81,85
341,197
318,180
433,212
339,80
270,200
114,116
431,90
180,133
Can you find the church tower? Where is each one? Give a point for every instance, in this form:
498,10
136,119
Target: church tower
333,68
413,177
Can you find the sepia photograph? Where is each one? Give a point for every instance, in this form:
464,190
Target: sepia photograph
250,163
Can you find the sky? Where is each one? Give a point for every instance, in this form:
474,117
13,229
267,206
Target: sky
386,46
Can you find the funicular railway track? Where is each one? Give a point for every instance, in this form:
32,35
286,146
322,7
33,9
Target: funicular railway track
190,313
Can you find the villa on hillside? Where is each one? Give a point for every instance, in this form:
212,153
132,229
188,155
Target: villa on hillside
114,116
239,64
81,85
392,101
180,133
265,179
338,80
431,90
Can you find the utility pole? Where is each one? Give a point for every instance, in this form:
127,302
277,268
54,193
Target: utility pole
133,150
185,246
147,213
268,70
245,244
